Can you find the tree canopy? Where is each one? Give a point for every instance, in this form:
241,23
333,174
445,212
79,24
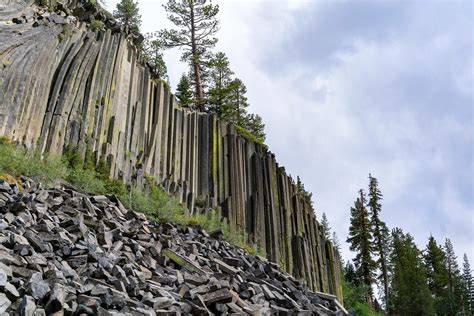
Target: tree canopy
127,13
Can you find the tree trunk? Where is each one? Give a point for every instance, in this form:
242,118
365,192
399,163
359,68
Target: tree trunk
195,63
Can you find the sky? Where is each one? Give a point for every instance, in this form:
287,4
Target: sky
348,88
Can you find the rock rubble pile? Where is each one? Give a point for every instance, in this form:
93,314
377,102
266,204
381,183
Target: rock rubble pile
63,252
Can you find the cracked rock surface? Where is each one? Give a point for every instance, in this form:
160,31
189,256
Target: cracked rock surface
63,252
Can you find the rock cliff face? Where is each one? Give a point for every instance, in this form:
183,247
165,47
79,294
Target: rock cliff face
64,83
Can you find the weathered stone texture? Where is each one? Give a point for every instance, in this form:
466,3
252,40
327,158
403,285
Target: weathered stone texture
67,84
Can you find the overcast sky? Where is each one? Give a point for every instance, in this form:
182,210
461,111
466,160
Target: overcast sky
348,88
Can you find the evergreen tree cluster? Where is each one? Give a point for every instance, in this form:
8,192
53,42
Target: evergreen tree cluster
412,281
210,84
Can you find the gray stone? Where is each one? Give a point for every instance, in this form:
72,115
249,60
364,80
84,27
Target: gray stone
37,287
27,306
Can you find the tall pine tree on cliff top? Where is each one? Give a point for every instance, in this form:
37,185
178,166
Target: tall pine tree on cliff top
196,26
326,227
127,14
153,55
361,241
183,91
220,76
380,234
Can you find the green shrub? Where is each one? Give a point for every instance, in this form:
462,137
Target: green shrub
354,299
155,203
103,168
212,220
87,181
97,25
115,186
249,135
200,201
17,161
73,157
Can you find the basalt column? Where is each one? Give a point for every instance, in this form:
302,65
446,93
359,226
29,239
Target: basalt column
63,84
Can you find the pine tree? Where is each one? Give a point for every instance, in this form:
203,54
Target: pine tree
437,275
380,234
350,274
183,91
153,56
128,14
236,102
196,25
361,240
454,295
326,227
409,292
468,288
254,124
220,76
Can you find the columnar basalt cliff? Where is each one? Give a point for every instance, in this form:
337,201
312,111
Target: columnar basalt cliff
63,83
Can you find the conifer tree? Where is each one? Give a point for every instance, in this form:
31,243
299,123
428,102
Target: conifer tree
361,240
183,91
380,234
409,292
326,227
128,14
468,288
437,275
236,102
220,76
350,274
454,279
153,55
254,124
196,26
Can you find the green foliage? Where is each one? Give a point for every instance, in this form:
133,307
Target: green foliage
254,124
66,31
73,157
18,161
301,191
97,25
381,249
361,240
183,91
115,186
454,289
212,220
326,228
153,56
247,134
220,76
103,168
354,299
86,181
196,26
200,201
89,163
409,293
128,14
437,274
467,282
